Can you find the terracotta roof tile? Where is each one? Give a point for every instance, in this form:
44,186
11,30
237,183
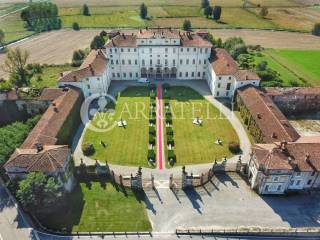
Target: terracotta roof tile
94,65
50,94
270,120
246,75
223,63
293,91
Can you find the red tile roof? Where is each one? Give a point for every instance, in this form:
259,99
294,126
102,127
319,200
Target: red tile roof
50,159
270,120
246,75
302,156
223,63
293,91
50,94
47,129
94,65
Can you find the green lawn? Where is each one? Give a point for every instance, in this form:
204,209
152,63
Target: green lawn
125,146
50,76
304,63
196,144
98,207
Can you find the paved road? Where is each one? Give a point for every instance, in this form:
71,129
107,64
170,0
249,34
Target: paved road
13,225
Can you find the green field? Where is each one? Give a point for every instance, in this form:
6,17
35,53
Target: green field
49,76
100,207
196,144
124,146
294,64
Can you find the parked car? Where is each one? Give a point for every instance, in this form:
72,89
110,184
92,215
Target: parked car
143,80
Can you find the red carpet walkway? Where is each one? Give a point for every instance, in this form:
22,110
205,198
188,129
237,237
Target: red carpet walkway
160,149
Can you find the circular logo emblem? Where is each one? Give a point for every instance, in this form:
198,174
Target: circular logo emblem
97,112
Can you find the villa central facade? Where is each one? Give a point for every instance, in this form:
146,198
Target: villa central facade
160,54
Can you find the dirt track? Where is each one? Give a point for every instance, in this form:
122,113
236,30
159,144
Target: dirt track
57,47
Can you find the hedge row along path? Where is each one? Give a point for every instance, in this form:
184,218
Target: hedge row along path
160,149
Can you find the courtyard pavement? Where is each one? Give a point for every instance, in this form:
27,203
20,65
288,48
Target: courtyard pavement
227,201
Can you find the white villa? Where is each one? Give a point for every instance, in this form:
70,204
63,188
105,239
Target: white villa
159,54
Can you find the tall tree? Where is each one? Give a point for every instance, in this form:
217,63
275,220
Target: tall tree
15,64
38,193
205,3
208,11
97,42
316,29
187,25
264,11
85,10
217,10
143,11
2,36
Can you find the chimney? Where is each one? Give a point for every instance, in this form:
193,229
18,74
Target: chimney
91,69
283,146
274,135
259,115
55,109
140,31
61,74
75,78
228,65
308,158
247,78
124,36
39,147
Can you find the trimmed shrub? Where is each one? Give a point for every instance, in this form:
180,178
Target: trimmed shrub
166,86
153,87
88,149
152,114
152,95
151,155
152,131
168,113
171,157
75,26
170,140
166,95
169,120
152,120
153,102
234,147
167,102
169,131
152,139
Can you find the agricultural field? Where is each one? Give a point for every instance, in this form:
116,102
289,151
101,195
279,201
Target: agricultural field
195,144
124,145
294,64
100,207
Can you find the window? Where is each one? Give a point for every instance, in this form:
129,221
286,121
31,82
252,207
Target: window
150,41
137,75
111,62
158,61
113,75
187,74
194,49
174,62
199,61
128,49
266,188
279,188
130,74
134,49
111,56
229,78
276,179
203,74
118,75
291,182
124,75
88,86
143,63
166,50
298,174
219,85
181,49
150,50
121,49
313,173
227,93
192,74
187,61
180,61
309,182
193,61
117,62
166,61
199,74
228,86
129,62
220,78
206,50
187,49
110,50
115,50
180,74
136,62
218,94
150,61
205,61
122,61
298,182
